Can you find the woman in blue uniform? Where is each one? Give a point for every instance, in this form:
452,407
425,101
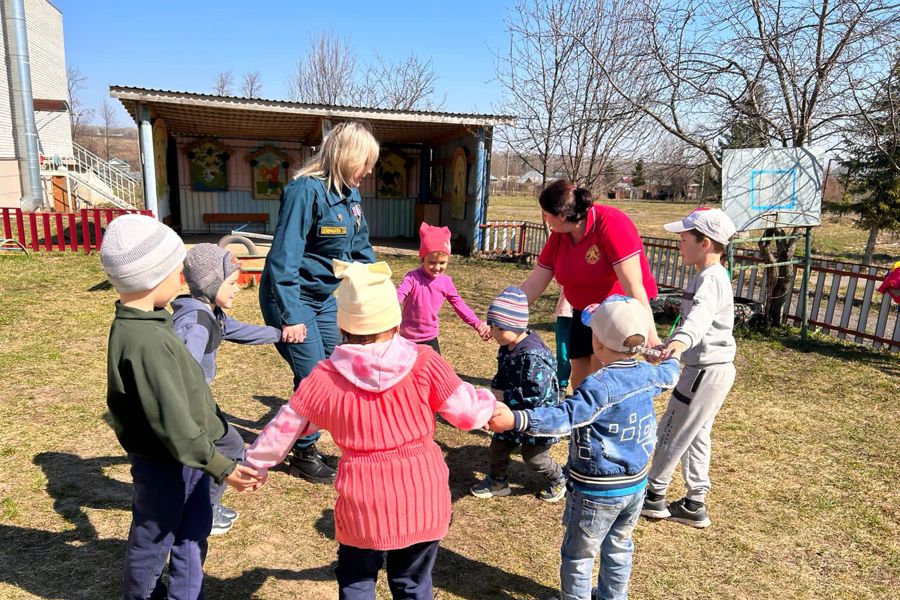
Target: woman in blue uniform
320,219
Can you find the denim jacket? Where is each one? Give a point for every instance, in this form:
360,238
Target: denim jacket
613,425
315,225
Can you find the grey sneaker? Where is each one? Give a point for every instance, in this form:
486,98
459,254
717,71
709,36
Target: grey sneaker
554,492
655,509
228,513
489,487
679,513
220,524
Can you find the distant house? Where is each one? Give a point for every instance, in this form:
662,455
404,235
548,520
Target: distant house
119,164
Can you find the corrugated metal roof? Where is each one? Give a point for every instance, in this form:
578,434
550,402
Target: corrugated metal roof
187,113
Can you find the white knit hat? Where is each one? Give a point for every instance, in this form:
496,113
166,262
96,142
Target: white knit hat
615,320
366,299
138,252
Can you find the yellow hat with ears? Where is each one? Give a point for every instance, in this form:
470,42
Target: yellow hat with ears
366,299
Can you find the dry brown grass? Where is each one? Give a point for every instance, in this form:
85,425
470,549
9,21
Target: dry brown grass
804,470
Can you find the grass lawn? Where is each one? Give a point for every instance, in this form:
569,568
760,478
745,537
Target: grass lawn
805,467
836,238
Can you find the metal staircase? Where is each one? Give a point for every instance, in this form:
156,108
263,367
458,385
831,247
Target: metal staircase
91,181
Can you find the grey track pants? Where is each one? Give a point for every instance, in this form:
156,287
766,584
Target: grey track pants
684,430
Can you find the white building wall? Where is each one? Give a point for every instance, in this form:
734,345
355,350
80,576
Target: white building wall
48,79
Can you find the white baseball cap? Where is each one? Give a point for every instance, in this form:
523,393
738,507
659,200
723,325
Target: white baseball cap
711,222
615,320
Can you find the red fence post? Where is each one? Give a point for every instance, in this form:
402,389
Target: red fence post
73,232
48,233
32,226
86,230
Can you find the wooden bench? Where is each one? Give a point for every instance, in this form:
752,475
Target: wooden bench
244,218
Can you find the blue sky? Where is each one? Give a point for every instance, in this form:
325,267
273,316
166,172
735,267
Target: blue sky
183,45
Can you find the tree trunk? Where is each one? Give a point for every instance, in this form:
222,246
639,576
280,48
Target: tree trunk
778,282
870,245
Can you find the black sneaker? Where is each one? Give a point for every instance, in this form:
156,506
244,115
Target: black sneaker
655,509
220,524
307,464
554,492
679,513
488,487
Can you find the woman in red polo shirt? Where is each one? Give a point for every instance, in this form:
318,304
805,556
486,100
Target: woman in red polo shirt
594,251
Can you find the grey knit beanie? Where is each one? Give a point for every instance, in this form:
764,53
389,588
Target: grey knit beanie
138,253
206,267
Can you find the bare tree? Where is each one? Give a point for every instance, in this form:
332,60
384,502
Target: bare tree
79,114
404,85
785,65
108,123
568,115
252,85
327,74
223,82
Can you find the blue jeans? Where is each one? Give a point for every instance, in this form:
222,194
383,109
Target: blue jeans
170,519
598,524
322,335
408,571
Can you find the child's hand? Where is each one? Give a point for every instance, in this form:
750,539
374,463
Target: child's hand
673,349
502,419
245,479
293,334
484,330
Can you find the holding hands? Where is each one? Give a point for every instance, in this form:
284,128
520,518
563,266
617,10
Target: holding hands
484,331
673,349
245,479
502,419
293,334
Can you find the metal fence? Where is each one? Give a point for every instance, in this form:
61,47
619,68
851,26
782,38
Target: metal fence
842,296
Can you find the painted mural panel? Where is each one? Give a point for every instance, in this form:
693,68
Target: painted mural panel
391,177
208,165
160,143
458,181
269,170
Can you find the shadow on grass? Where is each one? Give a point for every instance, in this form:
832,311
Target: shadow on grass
45,563
245,426
883,360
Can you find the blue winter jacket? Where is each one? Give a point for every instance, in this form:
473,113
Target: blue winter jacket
202,330
613,425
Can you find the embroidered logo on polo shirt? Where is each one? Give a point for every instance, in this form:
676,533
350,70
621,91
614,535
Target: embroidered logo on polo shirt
332,230
592,255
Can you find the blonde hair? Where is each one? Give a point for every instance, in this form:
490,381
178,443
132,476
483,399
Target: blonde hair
348,147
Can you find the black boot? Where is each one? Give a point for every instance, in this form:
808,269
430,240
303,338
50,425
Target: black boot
308,465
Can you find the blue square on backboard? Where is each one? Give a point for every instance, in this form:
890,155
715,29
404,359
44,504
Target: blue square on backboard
783,198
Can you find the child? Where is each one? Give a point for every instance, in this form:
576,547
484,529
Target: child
211,274
423,291
705,343
613,431
377,395
526,378
163,414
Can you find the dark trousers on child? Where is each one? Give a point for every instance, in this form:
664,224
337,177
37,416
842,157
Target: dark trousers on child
434,344
537,457
232,446
408,571
170,520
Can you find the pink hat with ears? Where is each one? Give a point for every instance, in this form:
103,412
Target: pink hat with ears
433,239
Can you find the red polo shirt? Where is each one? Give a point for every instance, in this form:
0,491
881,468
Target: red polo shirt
585,270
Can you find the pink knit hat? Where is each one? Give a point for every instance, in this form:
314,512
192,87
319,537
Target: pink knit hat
433,239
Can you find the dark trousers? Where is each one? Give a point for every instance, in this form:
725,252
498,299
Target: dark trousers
537,457
435,344
322,335
170,520
231,445
408,571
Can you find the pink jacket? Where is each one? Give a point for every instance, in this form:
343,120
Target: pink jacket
422,297
378,401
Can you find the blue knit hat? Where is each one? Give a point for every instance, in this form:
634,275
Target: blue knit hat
509,310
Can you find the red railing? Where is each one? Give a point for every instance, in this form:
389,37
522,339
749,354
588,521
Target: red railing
50,231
